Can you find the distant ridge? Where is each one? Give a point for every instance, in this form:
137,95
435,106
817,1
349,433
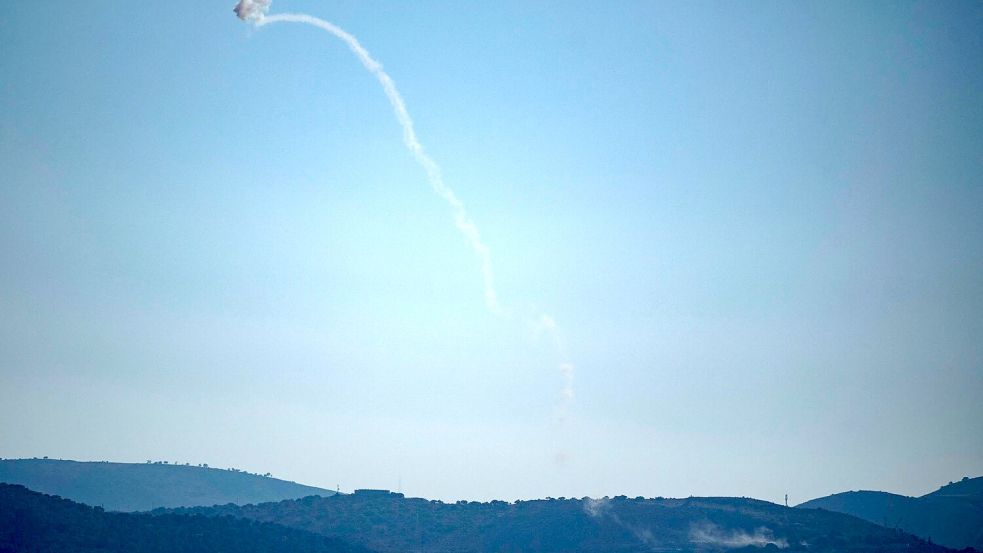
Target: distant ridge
31,522
146,486
951,516
967,487
391,523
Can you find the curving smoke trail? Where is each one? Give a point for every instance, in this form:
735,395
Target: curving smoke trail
255,11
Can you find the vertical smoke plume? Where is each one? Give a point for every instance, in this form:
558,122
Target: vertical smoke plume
547,325
601,508
255,11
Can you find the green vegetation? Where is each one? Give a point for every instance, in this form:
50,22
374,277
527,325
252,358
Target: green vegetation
35,523
391,524
388,523
951,516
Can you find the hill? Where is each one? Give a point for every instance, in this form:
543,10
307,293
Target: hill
967,487
951,516
391,523
887,509
31,522
142,487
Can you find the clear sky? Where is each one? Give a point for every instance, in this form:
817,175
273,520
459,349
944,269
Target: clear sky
759,226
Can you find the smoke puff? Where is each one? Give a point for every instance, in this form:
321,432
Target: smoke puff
602,508
596,507
252,10
711,534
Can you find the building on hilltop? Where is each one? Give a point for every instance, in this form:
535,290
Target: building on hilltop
376,493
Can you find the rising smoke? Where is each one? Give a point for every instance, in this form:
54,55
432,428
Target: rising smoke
255,11
597,508
702,535
546,325
709,534
601,509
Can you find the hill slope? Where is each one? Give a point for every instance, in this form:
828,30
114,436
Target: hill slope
31,522
967,487
391,523
951,516
142,487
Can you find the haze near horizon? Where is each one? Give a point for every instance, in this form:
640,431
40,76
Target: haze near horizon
759,226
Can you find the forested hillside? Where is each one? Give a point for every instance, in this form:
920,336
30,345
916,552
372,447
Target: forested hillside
391,523
31,522
951,516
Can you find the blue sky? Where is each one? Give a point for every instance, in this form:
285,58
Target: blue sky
759,227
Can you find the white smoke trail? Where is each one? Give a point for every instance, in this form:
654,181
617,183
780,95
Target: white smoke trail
255,11
547,325
597,507
461,218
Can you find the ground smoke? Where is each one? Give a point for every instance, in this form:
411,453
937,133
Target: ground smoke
601,509
711,534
